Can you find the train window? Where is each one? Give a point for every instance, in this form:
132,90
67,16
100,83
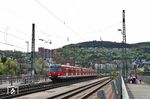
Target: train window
77,71
51,68
66,70
71,71
55,68
74,71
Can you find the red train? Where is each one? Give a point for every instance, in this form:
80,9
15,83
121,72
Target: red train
60,72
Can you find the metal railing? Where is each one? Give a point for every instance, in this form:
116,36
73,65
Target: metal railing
21,79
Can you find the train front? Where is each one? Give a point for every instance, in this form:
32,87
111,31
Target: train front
55,71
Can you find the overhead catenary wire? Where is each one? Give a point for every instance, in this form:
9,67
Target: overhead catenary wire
13,35
59,19
110,26
107,28
46,40
11,45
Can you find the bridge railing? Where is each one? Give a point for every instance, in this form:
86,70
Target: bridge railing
117,90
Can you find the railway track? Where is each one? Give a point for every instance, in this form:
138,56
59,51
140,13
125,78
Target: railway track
82,92
33,88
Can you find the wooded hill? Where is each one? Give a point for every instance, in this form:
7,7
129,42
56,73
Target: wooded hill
106,44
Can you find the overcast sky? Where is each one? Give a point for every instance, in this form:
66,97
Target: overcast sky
71,21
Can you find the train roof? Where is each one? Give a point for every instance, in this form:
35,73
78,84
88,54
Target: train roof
66,66
71,66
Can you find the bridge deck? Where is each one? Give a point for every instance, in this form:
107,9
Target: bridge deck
138,91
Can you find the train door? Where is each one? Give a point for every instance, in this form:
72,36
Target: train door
72,71
84,72
80,71
77,72
69,71
66,71
63,71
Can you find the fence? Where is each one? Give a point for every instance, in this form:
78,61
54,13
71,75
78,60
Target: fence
22,79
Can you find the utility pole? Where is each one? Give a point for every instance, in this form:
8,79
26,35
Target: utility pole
124,58
33,49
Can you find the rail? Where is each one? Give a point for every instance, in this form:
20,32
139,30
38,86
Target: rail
82,92
37,87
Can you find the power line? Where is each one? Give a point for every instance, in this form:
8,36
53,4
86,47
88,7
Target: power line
74,31
110,26
11,45
59,19
13,35
50,12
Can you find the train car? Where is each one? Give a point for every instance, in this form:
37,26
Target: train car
61,72
57,71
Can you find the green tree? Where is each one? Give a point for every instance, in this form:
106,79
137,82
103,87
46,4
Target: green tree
10,67
3,60
41,66
1,68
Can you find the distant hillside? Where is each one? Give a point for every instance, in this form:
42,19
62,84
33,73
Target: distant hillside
106,44
143,44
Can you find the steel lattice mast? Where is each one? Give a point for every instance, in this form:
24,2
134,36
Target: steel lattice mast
124,50
33,49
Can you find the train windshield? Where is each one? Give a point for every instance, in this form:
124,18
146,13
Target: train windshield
55,68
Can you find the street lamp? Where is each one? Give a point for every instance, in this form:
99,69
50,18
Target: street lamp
46,41
47,58
41,39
